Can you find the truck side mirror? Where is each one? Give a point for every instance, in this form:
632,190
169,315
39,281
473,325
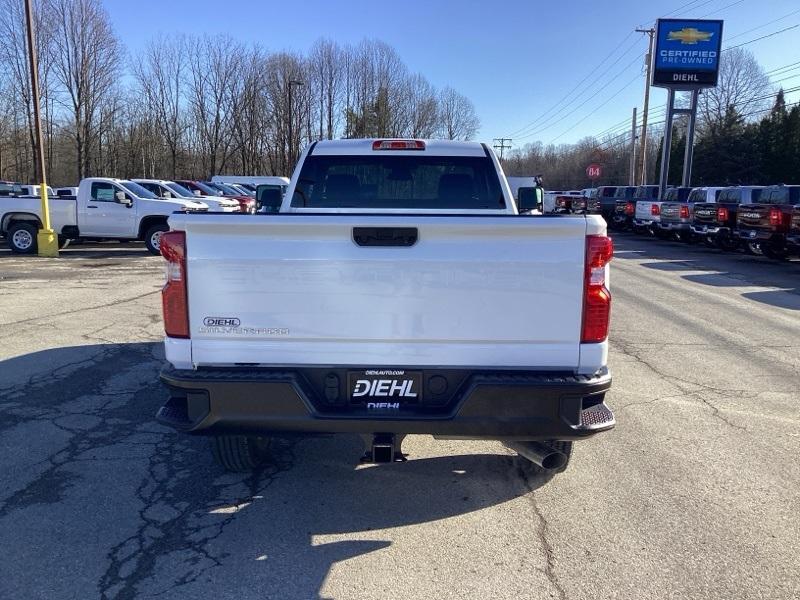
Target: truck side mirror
197,193
269,197
529,198
166,194
121,198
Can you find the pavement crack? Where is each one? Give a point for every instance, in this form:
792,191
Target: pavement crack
681,385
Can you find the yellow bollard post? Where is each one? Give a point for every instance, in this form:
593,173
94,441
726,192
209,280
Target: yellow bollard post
46,239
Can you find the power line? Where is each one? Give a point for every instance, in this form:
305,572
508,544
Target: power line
763,37
713,12
626,86
536,123
547,126
786,16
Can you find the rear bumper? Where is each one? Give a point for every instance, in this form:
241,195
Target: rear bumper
515,405
756,235
709,230
644,222
673,226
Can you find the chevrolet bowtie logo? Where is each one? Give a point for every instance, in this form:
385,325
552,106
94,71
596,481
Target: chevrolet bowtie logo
689,35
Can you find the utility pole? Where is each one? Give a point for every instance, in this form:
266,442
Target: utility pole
46,239
632,178
502,145
648,65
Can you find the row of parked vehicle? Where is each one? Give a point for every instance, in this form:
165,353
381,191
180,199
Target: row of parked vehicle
757,219
103,208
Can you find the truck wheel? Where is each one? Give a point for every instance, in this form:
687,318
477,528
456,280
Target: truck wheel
240,453
152,237
534,469
752,248
21,238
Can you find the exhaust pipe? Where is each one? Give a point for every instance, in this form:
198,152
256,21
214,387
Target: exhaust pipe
540,454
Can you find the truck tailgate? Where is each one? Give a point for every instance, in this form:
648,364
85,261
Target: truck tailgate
297,290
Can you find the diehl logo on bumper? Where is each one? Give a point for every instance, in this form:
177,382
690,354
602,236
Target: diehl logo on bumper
383,406
390,388
689,35
221,322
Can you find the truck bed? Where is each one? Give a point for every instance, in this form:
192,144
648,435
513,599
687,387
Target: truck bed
494,291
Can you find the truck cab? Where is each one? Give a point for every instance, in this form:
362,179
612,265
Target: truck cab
767,222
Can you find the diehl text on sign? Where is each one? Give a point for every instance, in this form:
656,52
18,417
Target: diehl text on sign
687,53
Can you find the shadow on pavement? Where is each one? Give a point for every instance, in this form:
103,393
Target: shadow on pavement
781,298
128,508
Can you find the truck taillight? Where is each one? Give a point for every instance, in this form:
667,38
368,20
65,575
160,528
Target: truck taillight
596,297
630,209
684,212
775,217
655,210
173,295
722,215
398,145
246,204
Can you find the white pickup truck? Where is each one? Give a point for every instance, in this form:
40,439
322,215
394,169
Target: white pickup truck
398,291
104,208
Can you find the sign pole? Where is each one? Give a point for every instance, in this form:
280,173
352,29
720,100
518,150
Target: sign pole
663,180
688,155
46,239
632,178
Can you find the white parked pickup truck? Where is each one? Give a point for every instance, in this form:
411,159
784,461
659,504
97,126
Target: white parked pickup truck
104,208
398,291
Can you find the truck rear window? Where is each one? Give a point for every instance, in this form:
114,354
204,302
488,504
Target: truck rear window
405,182
781,195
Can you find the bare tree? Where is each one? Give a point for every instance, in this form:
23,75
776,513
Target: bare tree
87,59
458,120
423,108
14,58
742,85
160,74
213,68
326,69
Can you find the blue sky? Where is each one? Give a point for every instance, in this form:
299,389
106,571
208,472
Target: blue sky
514,59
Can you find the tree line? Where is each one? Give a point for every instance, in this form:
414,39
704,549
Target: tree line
195,106
746,134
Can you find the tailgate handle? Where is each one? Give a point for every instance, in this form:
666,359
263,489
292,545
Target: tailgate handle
385,236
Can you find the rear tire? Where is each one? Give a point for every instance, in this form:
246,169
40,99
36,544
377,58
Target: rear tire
240,453
152,237
21,238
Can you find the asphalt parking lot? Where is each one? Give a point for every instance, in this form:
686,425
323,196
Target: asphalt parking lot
693,495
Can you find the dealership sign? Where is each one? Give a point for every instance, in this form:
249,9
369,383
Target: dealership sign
687,53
